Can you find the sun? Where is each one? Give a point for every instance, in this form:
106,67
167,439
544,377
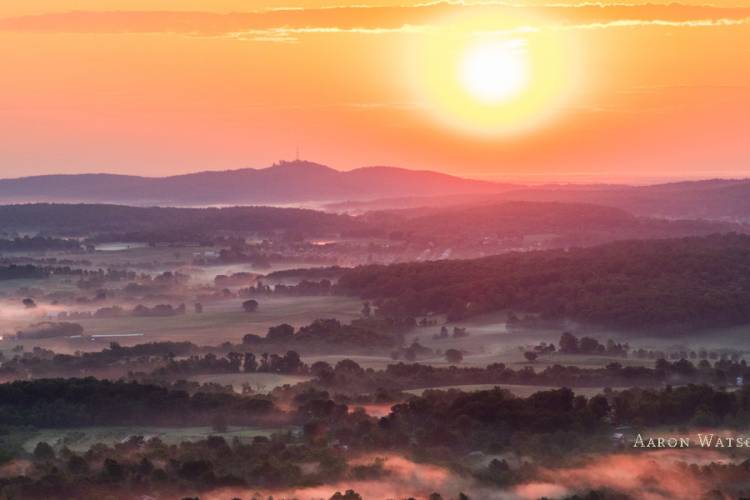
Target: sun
491,76
494,71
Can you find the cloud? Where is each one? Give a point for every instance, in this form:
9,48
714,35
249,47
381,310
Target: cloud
286,25
403,478
658,475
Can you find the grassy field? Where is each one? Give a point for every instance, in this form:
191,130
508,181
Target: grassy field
83,438
222,321
374,362
225,321
490,341
259,382
158,259
57,283
522,391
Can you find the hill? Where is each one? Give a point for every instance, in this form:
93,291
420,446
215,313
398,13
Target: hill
84,219
716,199
457,231
284,183
521,223
375,188
641,285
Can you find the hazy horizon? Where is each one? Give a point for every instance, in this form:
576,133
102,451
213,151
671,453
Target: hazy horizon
614,92
527,179
374,249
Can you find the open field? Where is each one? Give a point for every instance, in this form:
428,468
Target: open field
222,321
225,321
158,259
82,439
490,341
259,382
48,285
522,391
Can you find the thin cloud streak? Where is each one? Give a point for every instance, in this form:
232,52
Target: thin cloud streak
291,35
286,25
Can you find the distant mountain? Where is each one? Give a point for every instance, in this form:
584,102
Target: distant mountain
283,183
532,225
716,199
463,231
375,188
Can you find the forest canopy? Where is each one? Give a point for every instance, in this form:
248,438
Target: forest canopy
679,283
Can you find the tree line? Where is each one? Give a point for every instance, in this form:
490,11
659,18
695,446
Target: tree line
656,284
52,403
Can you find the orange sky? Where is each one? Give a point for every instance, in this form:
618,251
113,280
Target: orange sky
158,87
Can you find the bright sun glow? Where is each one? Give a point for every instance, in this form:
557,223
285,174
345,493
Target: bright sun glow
479,75
494,71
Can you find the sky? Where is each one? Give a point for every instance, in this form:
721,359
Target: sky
533,91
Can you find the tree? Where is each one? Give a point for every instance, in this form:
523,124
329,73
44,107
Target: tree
599,406
453,356
291,363
568,343
250,305
28,303
251,338
113,470
198,308
530,356
280,333
235,360
77,465
348,495
588,345
250,364
321,369
348,366
49,329
43,452
366,309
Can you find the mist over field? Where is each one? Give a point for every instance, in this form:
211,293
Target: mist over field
513,350
374,250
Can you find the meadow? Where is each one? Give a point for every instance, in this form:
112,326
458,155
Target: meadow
490,340
221,321
225,321
81,439
258,382
521,391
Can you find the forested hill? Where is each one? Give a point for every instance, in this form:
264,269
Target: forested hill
561,224
655,284
88,218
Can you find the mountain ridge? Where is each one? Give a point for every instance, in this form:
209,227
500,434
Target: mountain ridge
305,183
284,182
